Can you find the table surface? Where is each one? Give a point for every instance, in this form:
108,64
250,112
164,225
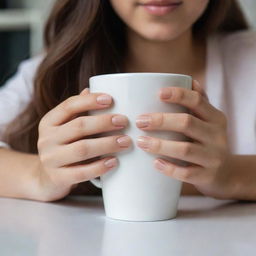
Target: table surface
78,226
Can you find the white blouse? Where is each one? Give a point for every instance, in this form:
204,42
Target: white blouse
230,86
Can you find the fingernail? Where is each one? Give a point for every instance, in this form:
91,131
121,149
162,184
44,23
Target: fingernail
124,141
104,99
119,120
110,162
143,121
165,93
143,142
159,164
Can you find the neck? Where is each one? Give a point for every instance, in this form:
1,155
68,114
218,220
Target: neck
182,55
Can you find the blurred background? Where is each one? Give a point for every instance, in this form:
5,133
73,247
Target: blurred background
21,28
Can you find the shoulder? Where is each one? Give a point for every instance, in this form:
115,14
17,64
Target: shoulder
28,68
239,38
33,62
23,80
239,47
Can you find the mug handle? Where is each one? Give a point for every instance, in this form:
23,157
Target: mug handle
96,183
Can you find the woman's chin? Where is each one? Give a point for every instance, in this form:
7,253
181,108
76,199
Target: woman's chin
159,36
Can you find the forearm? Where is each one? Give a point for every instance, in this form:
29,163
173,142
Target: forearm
19,175
243,177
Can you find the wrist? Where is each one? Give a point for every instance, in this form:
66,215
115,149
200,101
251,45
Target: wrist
45,190
241,177
35,188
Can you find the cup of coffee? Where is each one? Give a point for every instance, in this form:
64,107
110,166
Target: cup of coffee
135,190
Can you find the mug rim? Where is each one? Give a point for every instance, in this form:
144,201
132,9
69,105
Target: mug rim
141,74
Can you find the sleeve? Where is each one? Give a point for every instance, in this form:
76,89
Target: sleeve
16,94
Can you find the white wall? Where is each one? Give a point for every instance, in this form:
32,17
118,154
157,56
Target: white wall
43,5
249,7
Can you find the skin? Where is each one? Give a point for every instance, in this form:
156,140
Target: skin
166,44
155,44
58,168
62,147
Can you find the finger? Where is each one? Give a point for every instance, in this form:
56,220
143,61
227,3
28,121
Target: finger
189,174
192,100
88,125
197,87
185,151
184,123
85,91
81,173
85,149
75,105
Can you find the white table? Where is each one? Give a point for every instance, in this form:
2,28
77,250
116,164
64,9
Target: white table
77,226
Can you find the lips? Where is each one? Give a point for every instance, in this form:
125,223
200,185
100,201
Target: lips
160,7
162,3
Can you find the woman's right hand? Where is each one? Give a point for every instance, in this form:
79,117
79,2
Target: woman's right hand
62,145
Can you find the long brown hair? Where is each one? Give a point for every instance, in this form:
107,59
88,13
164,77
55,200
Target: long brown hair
86,38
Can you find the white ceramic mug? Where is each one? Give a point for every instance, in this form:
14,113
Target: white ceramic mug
135,190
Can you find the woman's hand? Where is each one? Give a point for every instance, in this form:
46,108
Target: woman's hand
63,146
207,153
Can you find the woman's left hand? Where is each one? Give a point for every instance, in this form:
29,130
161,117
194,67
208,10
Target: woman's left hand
207,152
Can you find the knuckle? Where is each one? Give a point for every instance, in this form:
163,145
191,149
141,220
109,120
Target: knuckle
57,180
46,139
198,99
41,125
159,119
81,176
80,123
101,168
39,145
177,94
187,121
210,178
44,126
221,140
223,120
81,149
68,104
42,142
185,175
186,149
217,161
45,159
106,120
156,145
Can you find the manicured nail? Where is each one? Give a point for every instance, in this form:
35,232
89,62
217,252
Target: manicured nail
124,141
110,162
143,121
104,99
160,165
165,93
143,142
119,120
